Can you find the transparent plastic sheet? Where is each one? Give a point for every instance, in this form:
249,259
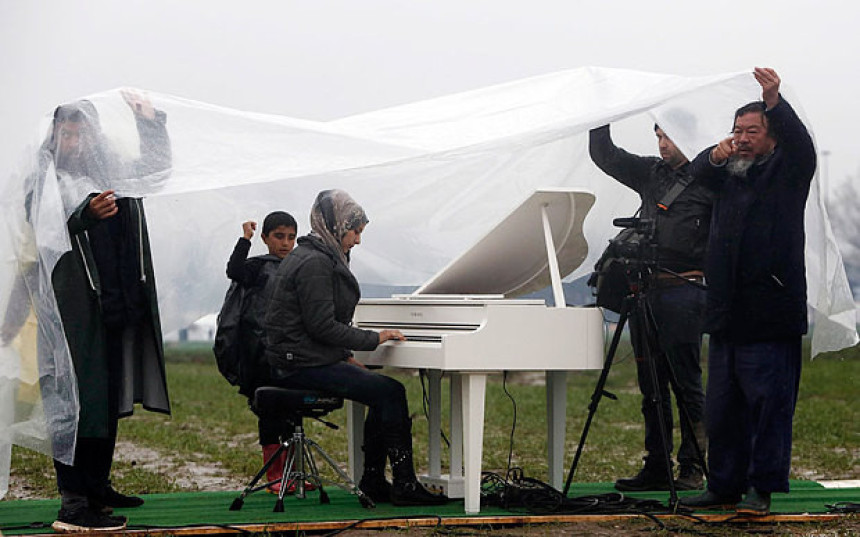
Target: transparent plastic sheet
432,176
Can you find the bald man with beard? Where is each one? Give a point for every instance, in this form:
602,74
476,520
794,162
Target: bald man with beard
756,301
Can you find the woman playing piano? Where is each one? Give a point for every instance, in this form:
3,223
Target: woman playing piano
311,338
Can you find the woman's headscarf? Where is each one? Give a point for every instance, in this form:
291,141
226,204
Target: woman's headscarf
333,214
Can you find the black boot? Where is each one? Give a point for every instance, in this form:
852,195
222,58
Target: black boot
373,482
710,500
690,477
756,502
649,478
375,486
406,489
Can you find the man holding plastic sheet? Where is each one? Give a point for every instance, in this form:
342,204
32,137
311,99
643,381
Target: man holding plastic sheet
756,307
105,291
680,209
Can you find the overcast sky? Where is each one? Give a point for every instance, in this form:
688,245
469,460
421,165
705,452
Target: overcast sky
323,59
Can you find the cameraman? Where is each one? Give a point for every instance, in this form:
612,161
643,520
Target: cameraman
681,211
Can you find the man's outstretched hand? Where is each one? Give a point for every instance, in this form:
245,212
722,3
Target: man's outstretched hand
769,81
140,105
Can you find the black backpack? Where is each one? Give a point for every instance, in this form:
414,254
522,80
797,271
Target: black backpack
227,341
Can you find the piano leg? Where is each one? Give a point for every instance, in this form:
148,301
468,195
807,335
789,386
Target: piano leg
434,378
455,470
355,434
474,391
556,407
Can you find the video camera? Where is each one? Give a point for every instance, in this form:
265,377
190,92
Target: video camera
636,243
628,257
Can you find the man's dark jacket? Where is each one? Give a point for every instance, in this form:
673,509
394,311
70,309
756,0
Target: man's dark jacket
308,322
755,267
682,230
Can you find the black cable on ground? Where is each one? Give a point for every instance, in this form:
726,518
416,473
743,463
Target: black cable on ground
843,507
521,493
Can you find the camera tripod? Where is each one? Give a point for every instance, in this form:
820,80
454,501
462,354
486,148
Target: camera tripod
636,308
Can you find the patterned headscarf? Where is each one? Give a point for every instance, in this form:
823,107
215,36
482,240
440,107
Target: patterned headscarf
333,214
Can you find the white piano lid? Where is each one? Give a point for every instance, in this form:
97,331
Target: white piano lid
511,259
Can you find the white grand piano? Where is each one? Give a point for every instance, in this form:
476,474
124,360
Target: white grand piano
466,322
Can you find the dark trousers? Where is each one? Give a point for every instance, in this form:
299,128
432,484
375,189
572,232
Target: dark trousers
387,424
272,430
677,312
90,473
752,393
255,372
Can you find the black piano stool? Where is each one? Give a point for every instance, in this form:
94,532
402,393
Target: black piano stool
301,466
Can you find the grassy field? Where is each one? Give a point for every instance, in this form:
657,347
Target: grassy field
210,442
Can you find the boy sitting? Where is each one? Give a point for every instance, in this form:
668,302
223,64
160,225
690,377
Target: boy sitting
252,277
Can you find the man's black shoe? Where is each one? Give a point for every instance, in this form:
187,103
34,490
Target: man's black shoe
111,498
755,503
689,478
648,478
414,493
86,520
709,500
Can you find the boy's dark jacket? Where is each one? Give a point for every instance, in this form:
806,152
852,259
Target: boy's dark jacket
308,322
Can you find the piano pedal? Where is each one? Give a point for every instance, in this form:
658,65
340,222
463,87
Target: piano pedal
452,487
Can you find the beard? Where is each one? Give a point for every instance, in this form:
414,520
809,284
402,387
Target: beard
80,163
71,164
738,166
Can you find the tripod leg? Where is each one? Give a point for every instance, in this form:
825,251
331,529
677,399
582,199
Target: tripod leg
313,472
302,461
237,503
288,479
599,390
